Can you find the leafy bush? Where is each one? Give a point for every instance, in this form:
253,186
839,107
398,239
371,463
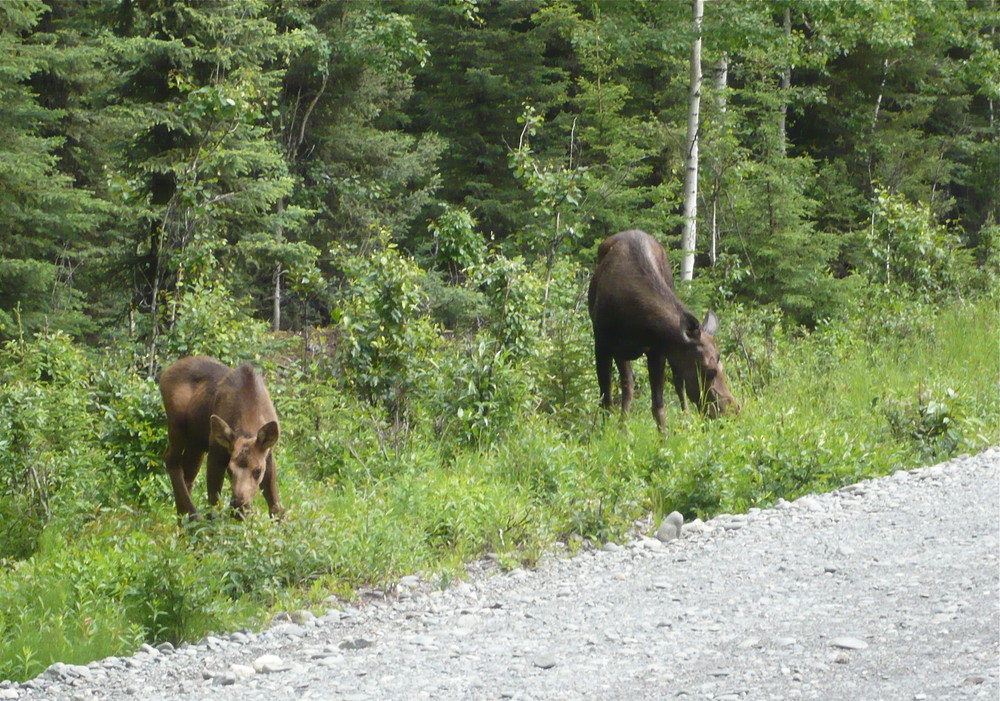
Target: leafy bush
936,421
562,363
209,322
910,252
513,292
476,392
459,247
133,434
46,424
749,341
382,326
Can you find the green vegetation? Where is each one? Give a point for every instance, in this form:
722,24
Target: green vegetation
372,500
392,208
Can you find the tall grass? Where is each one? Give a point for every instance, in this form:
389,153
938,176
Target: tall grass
848,401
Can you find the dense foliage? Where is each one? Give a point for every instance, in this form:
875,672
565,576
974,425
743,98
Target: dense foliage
392,208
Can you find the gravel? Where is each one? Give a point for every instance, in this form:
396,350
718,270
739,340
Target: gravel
887,589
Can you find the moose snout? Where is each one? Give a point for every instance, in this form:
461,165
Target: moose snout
722,405
725,407
239,508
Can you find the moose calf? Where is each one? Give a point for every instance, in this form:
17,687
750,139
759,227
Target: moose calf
228,414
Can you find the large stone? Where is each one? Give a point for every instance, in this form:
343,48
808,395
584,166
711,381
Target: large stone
410,581
545,661
269,664
303,617
356,644
667,532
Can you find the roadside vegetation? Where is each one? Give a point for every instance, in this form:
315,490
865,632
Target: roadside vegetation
95,562
318,189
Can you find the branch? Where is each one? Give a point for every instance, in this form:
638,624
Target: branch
309,109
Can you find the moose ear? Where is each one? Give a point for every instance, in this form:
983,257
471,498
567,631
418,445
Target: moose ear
711,323
690,327
221,434
267,436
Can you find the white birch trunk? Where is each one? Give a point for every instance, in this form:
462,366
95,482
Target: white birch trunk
721,83
689,235
276,278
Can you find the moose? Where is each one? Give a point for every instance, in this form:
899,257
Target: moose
226,413
635,312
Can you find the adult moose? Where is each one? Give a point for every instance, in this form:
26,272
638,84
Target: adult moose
227,414
634,311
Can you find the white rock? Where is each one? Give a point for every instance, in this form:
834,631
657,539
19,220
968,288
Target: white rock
545,661
698,526
268,664
242,672
650,543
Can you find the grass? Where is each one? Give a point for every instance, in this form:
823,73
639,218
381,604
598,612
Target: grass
843,403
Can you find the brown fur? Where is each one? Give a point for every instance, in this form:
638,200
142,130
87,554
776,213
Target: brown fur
635,312
228,415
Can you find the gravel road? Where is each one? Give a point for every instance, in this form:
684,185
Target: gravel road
887,589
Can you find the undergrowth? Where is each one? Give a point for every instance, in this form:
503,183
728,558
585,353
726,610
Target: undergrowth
98,563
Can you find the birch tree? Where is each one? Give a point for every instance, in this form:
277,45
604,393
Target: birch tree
689,235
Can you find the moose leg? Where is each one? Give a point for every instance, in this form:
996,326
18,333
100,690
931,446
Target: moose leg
178,462
604,376
627,380
215,474
657,365
270,487
191,462
679,386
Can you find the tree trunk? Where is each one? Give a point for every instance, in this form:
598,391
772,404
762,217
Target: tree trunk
993,34
276,276
875,116
156,251
689,235
786,83
276,309
721,83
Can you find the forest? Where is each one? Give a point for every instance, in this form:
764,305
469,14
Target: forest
392,208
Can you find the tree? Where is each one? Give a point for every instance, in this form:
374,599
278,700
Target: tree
45,220
689,236
198,170
485,62
340,120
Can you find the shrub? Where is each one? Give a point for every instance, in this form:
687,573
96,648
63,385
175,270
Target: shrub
382,326
476,392
209,322
50,464
133,434
933,419
909,252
